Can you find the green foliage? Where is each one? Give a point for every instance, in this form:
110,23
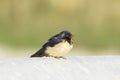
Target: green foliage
32,23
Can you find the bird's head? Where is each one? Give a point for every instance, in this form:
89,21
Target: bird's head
66,35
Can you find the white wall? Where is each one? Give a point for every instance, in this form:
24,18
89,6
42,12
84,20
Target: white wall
72,68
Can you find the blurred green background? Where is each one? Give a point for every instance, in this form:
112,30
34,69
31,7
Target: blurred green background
25,25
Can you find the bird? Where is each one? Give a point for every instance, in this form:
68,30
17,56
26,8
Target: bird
57,46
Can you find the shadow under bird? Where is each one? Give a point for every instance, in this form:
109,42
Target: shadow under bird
57,46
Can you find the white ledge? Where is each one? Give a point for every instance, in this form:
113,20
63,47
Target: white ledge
72,68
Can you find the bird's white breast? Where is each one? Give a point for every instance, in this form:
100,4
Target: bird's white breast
59,49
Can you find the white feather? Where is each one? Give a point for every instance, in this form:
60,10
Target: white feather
59,49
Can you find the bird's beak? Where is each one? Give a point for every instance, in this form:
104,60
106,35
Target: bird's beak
70,37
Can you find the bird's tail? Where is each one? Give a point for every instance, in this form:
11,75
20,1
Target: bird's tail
39,53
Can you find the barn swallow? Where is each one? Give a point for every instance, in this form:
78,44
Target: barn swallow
57,46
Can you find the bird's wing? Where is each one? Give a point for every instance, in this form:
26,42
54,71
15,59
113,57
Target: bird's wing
53,41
